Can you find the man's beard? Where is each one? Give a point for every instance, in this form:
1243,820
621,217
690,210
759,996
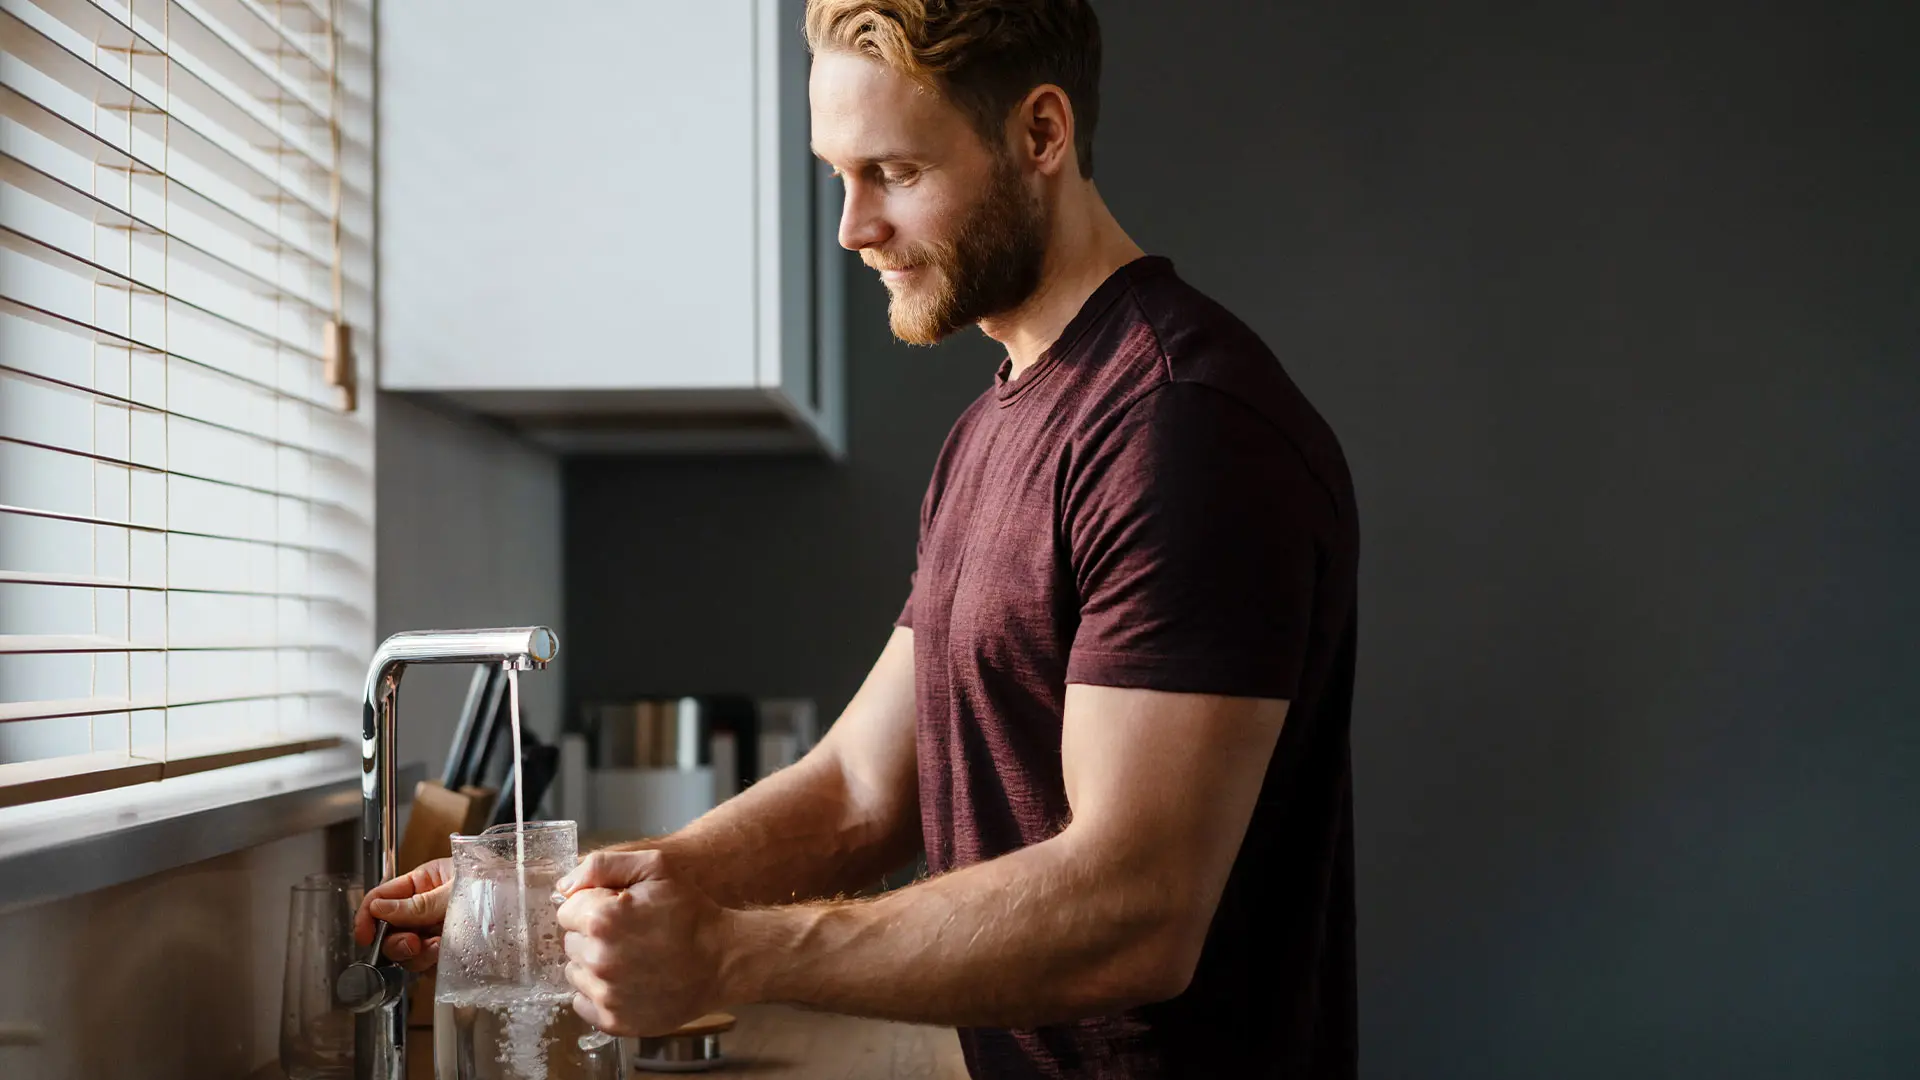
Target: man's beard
990,266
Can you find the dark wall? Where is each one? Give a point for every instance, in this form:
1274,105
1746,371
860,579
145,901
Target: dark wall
1617,311
771,577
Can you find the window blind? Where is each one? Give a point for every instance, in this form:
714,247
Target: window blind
186,496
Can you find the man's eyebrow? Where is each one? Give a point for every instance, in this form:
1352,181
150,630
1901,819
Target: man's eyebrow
882,156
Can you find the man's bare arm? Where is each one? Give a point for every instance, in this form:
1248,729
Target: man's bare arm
1110,913
834,822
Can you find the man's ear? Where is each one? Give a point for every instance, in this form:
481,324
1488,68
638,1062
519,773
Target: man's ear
1043,130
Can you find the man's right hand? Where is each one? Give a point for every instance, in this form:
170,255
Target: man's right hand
414,905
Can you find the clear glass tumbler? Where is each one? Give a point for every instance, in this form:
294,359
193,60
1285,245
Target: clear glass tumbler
503,1009
316,1034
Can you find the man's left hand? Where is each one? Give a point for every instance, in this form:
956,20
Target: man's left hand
644,949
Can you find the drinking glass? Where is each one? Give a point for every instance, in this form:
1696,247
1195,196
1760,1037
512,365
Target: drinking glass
316,1034
503,1008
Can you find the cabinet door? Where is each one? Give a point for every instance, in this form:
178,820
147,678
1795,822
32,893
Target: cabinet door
568,195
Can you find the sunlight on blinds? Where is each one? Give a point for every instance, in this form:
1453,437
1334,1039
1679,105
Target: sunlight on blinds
186,496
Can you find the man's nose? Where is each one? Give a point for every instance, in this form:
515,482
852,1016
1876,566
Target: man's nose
861,224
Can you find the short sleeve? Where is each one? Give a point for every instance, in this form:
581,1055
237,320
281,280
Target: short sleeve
1194,528
905,620
927,502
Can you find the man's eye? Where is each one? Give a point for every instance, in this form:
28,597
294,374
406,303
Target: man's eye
899,177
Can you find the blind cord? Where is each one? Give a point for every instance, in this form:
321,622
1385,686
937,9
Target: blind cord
338,349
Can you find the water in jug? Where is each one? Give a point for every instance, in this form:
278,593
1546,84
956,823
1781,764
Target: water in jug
503,1007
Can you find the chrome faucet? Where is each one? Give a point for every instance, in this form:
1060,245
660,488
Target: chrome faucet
376,990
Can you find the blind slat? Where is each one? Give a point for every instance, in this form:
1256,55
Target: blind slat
20,711
80,644
62,65
55,320
84,774
16,577
42,185
302,16
47,644
57,129
330,506
79,265
205,29
161,530
106,29
101,396
247,22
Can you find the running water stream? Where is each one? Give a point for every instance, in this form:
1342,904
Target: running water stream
524,1027
519,824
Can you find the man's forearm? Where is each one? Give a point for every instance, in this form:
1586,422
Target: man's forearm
800,834
1044,934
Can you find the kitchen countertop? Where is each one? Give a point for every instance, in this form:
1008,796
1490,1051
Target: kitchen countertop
778,1042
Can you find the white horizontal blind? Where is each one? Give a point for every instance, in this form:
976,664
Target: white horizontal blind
186,501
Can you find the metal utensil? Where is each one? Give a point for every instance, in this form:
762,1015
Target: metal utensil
453,774
486,729
367,983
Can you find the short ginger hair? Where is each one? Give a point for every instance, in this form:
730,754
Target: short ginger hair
983,56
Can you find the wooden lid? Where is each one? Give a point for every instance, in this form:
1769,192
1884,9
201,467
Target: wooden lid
710,1024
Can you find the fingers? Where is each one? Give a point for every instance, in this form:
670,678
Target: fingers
427,878
400,947
421,909
593,1000
412,951
585,909
428,958
588,1011
611,870
586,982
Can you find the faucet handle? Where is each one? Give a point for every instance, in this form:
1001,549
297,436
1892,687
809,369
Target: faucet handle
368,984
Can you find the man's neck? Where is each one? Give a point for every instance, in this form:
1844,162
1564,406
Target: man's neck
1084,248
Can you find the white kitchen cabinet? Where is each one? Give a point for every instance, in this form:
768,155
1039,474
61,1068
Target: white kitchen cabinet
600,222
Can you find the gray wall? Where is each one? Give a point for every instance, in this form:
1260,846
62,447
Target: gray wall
176,976
469,536
764,576
1615,314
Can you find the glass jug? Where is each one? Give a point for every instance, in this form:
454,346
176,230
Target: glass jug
503,1009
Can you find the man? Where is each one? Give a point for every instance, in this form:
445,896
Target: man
1114,712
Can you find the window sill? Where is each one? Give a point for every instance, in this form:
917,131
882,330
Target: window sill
54,850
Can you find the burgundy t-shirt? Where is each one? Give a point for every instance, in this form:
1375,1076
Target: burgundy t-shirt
1152,504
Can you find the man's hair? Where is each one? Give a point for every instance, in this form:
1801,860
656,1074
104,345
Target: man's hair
984,56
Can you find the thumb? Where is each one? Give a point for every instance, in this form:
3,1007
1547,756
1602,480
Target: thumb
612,870
420,909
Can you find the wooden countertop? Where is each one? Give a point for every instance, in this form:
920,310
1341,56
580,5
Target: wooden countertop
777,1042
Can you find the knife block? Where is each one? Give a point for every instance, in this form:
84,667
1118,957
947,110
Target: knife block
438,814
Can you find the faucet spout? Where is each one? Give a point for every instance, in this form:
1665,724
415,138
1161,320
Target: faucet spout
380,1033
